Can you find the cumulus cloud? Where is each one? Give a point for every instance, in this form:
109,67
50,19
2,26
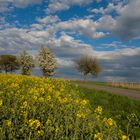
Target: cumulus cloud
58,5
18,39
63,62
82,26
48,19
5,5
106,23
111,7
128,23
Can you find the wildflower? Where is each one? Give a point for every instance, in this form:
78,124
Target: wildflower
42,90
124,137
48,97
80,115
34,124
98,110
35,97
50,89
56,130
41,99
83,102
12,110
40,132
48,122
1,102
24,104
110,122
8,123
98,136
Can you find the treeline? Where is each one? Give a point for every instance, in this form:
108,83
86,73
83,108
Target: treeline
25,62
47,63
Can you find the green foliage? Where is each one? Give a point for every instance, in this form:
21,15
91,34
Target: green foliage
87,65
8,63
26,63
47,61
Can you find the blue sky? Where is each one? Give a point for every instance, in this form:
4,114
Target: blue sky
106,29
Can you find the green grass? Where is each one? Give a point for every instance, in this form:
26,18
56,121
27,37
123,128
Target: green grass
115,106
90,82
102,84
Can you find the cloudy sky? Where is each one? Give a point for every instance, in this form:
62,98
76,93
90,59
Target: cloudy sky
106,29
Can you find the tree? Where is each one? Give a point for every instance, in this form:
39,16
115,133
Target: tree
26,63
8,63
87,65
46,61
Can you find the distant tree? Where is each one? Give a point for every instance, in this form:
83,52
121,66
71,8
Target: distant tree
46,61
26,63
8,63
87,65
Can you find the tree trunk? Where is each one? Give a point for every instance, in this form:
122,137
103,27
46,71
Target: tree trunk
85,76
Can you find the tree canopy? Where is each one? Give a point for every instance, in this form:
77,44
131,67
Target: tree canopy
46,61
26,62
8,63
87,65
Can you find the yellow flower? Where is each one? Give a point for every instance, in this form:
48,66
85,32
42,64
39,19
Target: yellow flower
56,130
110,122
80,115
50,89
1,102
24,104
98,110
40,132
98,136
124,137
35,97
41,99
48,122
48,97
34,124
8,123
83,102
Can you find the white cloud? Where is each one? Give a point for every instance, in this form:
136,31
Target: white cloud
63,62
128,23
106,22
58,5
5,5
48,20
110,8
82,26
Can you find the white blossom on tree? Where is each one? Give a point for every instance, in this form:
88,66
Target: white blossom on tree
26,63
47,61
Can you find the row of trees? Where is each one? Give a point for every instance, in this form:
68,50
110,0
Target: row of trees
47,63
25,62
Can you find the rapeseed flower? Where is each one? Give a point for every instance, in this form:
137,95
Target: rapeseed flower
98,110
98,136
1,102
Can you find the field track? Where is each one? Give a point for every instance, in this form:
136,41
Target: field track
125,92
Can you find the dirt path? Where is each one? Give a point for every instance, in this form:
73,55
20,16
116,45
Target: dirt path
126,92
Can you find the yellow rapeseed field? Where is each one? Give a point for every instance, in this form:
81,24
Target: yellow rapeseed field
33,108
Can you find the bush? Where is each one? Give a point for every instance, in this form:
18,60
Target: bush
42,108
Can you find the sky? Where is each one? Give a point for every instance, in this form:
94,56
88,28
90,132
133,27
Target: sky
106,29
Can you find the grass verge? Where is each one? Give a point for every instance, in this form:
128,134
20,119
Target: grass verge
115,106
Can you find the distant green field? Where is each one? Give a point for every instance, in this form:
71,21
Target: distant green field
115,106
